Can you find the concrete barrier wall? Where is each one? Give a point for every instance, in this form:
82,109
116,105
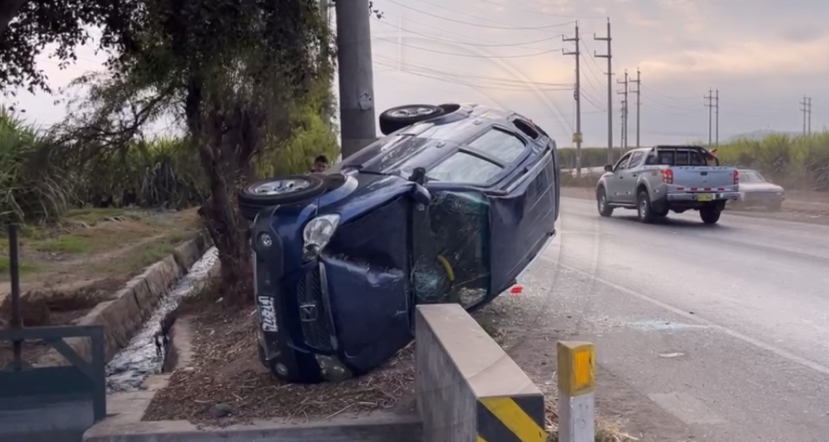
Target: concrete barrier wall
468,388
130,307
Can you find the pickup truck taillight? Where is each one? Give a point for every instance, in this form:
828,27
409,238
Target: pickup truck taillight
736,177
668,176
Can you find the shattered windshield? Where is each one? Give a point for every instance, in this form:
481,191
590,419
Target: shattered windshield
451,248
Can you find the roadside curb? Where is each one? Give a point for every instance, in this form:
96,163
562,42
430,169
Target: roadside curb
133,304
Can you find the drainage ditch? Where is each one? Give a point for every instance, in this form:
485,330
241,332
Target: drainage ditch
147,351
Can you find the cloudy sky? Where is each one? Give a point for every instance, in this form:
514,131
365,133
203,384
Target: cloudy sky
762,55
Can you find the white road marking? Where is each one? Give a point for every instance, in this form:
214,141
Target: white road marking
693,318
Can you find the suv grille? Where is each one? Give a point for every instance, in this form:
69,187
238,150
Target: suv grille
313,315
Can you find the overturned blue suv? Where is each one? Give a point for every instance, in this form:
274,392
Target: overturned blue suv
451,205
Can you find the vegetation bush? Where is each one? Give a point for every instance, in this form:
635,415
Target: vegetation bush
795,162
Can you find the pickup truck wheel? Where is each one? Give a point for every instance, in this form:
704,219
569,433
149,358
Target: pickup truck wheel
643,207
605,209
710,214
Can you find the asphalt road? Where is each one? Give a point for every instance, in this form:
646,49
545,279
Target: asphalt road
723,329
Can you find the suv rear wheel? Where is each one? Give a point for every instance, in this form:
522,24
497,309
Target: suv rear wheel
399,117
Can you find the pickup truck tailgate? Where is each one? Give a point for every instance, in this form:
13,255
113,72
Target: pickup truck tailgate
708,177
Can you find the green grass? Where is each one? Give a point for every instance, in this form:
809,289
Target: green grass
25,267
137,260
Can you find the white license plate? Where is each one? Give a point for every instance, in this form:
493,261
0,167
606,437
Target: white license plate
705,197
267,314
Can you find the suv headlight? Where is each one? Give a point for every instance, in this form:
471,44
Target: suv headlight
317,233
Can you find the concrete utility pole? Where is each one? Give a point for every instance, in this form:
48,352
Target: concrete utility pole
577,137
710,104
717,117
809,125
807,115
638,93
325,11
609,57
625,92
623,112
357,122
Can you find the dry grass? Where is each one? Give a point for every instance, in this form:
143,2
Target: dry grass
96,244
226,372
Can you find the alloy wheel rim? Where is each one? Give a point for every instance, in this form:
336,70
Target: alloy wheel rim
280,187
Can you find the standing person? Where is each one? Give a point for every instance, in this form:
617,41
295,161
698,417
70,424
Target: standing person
320,164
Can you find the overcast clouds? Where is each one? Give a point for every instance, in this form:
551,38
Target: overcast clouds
763,55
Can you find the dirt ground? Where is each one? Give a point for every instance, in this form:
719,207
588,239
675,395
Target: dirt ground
805,207
226,384
67,269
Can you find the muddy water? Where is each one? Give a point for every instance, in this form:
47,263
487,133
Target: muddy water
140,358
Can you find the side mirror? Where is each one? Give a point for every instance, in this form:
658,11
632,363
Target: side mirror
608,168
421,195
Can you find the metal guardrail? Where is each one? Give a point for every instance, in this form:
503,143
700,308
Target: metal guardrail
81,379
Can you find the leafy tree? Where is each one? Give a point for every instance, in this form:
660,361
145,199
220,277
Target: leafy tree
232,72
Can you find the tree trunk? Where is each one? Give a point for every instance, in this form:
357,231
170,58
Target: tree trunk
225,225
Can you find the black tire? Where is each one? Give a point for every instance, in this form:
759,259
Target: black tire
448,108
333,181
308,369
251,202
643,207
396,118
710,214
601,203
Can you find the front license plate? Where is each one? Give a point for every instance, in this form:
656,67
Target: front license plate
267,314
705,197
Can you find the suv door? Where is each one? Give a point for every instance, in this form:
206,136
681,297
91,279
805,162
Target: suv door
614,182
627,179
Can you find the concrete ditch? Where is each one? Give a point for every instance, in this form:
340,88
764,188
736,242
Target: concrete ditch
131,306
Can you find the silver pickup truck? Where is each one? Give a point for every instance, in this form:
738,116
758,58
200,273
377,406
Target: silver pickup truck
657,180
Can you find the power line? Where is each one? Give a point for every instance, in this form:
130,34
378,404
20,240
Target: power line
577,137
480,45
609,73
467,76
455,54
478,25
535,12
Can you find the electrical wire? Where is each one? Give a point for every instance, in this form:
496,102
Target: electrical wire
537,12
508,28
507,45
473,83
499,81
455,54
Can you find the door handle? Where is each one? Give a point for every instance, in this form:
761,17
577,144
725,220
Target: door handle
634,175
